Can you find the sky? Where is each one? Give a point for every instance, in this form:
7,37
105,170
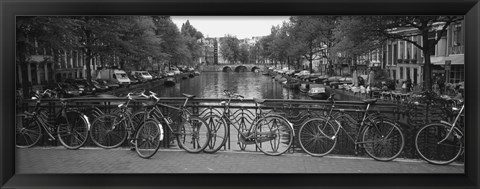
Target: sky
239,26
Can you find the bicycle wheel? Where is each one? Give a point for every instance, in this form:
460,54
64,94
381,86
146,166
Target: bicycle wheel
27,131
273,135
383,140
426,143
218,133
193,134
72,131
109,131
317,137
148,138
137,119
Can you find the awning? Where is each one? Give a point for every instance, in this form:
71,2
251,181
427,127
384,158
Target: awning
456,60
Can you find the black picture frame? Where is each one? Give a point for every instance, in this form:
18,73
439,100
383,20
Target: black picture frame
11,8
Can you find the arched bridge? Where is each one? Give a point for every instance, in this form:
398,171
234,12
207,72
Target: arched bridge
233,67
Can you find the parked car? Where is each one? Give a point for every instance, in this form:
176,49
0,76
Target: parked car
290,72
99,87
318,79
302,73
109,83
82,85
64,90
331,79
133,80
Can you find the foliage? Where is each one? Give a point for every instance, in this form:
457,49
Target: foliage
192,37
230,48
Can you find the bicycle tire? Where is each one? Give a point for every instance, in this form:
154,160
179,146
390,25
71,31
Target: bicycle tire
193,134
104,136
73,135
317,137
218,133
137,119
148,138
426,144
27,131
277,127
391,144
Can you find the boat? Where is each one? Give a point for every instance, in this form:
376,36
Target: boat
291,84
304,87
170,81
318,92
278,77
282,79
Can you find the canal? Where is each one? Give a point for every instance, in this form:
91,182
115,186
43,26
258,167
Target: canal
248,84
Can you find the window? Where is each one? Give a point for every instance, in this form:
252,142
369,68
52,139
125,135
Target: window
408,73
409,51
402,50
401,72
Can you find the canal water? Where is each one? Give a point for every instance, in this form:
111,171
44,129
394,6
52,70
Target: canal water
248,84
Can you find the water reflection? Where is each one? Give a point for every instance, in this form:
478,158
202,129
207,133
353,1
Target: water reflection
212,85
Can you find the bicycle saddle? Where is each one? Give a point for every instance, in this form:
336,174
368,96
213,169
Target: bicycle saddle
258,100
370,101
188,95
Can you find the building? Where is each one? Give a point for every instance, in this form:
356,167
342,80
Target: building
405,60
46,65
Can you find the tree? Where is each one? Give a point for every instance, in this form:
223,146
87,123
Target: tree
191,37
244,53
354,38
174,46
314,36
425,25
51,32
230,48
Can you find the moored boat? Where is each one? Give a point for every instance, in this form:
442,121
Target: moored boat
317,91
291,84
170,81
304,87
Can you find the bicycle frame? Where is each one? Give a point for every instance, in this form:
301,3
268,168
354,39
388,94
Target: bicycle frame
452,126
226,117
361,125
159,115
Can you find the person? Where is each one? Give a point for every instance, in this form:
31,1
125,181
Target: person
408,85
404,86
458,94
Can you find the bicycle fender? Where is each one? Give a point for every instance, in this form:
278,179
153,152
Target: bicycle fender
84,117
159,124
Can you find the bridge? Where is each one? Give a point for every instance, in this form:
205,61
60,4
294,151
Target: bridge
233,67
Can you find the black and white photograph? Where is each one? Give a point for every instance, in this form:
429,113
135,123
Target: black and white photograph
240,94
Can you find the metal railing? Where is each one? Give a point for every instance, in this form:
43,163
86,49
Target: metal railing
296,111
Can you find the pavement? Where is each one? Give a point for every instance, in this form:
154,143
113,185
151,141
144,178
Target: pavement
122,160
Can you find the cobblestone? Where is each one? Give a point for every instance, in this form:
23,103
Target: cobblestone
93,160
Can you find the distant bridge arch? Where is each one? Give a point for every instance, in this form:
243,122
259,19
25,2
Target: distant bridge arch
234,67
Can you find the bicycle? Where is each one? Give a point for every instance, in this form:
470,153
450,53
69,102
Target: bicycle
441,143
70,126
191,132
381,138
271,133
110,130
